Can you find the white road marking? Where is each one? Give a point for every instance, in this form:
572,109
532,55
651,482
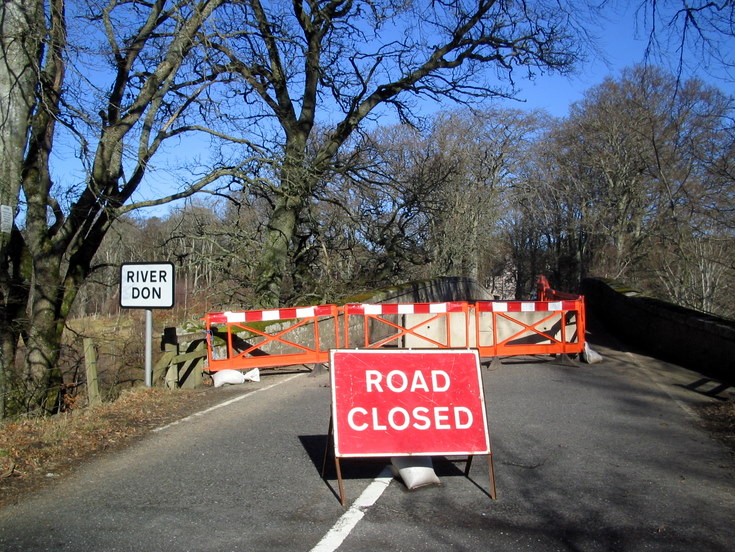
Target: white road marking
345,524
220,405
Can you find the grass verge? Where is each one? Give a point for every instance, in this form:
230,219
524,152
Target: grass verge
36,451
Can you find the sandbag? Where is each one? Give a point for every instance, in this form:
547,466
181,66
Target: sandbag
589,356
234,377
224,377
415,471
252,375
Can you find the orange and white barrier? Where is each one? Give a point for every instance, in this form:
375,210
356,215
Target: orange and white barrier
407,325
552,325
255,339
510,328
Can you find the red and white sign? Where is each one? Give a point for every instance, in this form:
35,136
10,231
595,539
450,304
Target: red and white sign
407,402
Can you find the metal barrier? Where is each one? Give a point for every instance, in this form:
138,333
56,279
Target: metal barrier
552,325
544,292
408,325
514,328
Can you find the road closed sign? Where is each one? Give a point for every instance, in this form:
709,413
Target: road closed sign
147,285
406,402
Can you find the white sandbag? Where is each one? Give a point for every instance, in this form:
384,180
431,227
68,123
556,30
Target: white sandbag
223,377
252,375
589,356
415,471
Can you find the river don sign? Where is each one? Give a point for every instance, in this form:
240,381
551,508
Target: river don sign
147,285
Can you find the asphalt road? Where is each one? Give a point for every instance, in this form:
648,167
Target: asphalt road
607,456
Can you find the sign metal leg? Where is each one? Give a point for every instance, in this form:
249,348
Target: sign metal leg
148,348
330,445
490,470
339,482
327,446
491,473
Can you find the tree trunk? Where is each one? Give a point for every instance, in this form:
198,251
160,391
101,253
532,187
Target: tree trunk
275,255
8,342
20,41
297,185
44,336
15,271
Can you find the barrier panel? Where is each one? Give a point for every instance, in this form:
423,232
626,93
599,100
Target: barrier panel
509,328
256,339
407,325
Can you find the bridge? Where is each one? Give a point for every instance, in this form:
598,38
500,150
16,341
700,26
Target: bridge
606,456
457,313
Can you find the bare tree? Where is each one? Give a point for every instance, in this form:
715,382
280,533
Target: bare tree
485,150
335,64
21,31
698,34
634,184
410,204
110,76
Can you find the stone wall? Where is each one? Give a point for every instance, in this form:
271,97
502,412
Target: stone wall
685,337
436,290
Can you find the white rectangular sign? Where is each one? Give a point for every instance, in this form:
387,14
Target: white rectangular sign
6,219
147,285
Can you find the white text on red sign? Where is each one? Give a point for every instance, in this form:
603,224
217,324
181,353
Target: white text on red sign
420,417
407,402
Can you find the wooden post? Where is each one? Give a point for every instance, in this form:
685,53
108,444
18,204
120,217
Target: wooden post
170,346
190,375
172,371
90,362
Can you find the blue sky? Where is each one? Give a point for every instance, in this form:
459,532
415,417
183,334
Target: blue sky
622,40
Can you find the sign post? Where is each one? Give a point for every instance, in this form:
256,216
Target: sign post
408,402
147,286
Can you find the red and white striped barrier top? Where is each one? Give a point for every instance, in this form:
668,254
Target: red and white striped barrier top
377,309
527,306
229,317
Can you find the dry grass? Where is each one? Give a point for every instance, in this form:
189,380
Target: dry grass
33,452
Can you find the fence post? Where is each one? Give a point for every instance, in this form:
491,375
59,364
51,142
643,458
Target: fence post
171,348
190,374
90,362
